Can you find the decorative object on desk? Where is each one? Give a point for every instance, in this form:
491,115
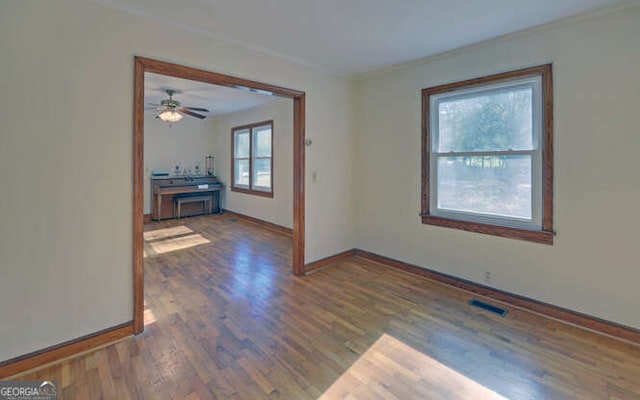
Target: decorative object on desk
171,110
176,169
196,169
208,164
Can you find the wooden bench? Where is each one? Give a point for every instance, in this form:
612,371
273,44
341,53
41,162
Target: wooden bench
178,201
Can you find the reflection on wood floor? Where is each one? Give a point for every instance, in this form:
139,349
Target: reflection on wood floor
225,318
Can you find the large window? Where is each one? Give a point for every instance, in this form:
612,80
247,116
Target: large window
487,155
252,158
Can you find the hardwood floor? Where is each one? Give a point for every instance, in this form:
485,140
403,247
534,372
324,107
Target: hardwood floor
225,318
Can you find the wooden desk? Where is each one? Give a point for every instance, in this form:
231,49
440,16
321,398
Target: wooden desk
165,189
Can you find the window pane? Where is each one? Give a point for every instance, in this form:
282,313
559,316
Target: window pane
493,185
496,120
262,140
241,172
262,173
242,144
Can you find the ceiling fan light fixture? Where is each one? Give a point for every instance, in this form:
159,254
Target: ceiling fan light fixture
170,116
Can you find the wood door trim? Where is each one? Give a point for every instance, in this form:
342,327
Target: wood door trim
299,120
71,348
142,65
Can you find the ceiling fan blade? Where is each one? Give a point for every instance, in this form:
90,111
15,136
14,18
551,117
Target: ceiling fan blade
154,104
183,110
195,109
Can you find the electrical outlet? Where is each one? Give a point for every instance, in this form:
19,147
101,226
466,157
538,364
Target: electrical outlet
487,277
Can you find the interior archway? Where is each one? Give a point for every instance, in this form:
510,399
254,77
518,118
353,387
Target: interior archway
143,65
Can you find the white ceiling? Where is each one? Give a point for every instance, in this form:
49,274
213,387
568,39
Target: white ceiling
217,99
353,37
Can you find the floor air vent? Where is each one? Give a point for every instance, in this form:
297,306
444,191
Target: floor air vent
496,310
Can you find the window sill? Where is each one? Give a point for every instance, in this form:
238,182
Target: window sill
254,192
543,237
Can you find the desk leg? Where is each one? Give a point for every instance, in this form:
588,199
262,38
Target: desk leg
159,202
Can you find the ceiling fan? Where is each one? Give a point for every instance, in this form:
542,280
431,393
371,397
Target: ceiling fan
171,110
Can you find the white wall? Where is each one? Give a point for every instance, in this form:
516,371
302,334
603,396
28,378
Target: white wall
279,209
593,267
185,143
66,145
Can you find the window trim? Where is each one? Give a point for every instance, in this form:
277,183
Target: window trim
534,154
250,189
539,235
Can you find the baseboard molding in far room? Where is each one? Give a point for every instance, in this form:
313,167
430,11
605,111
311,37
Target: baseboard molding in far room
327,261
574,318
269,225
72,348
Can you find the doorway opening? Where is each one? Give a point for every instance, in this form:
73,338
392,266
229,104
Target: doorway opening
143,65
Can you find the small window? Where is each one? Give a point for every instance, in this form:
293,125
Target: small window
487,155
252,159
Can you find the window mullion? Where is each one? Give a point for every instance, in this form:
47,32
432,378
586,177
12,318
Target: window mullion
251,133
487,153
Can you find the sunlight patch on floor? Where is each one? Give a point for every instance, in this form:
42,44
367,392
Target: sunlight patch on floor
179,243
165,233
392,369
149,317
